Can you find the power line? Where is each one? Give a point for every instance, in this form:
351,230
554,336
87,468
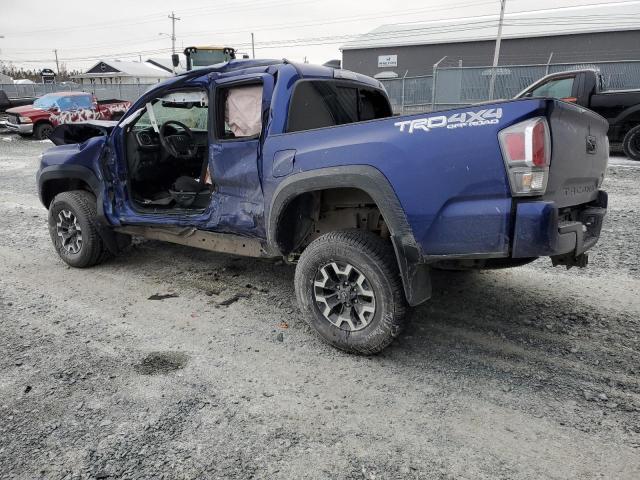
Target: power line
153,18
404,33
329,40
359,18
262,27
356,18
444,26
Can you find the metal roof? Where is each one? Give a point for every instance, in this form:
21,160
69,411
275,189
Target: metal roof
127,69
609,17
246,66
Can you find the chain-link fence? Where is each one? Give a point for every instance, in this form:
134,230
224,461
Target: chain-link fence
454,86
410,94
129,92
459,86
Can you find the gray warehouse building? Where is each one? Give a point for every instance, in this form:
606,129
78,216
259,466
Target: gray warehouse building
562,35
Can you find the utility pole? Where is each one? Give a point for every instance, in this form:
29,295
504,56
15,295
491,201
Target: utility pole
549,63
434,82
57,64
253,46
496,53
173,35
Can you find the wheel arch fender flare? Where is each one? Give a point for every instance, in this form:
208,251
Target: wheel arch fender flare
65,172
625,114
414,272
72,173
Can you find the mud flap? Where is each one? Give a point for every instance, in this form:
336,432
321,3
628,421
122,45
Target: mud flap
416,279
114,241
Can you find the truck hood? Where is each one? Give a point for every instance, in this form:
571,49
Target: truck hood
71,133
24,110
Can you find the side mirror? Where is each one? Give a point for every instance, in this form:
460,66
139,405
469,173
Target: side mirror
175,60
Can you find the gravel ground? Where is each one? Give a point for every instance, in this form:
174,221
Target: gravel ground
526,373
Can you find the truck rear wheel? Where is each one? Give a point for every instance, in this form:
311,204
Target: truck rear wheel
349,289
72,226
631,143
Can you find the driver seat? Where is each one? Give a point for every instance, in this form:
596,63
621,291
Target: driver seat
189,192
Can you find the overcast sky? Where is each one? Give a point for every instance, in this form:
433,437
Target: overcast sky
84,30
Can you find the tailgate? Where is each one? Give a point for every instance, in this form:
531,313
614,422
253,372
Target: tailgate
580,152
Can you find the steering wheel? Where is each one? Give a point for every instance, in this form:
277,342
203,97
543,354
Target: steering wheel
180,145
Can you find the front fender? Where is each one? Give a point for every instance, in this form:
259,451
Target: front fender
55,179
46,176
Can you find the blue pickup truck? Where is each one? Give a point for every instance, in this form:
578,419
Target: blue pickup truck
268,158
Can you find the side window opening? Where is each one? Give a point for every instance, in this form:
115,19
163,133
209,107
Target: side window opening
320,104
239,113
309,109
343,101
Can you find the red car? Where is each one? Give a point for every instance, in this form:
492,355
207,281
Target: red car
55,109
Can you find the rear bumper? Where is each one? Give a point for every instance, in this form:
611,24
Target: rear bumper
543,230
23,128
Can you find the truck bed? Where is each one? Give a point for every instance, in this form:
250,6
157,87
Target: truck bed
449,175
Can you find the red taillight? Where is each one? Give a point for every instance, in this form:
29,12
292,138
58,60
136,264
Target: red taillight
539,145
514,143
526,148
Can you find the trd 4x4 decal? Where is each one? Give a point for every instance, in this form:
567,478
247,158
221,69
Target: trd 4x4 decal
490,116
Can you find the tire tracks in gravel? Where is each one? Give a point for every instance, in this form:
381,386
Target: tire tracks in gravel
477,387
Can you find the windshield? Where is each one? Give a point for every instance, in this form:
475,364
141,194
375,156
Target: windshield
45,102
71,102
203,58
75,102
189,108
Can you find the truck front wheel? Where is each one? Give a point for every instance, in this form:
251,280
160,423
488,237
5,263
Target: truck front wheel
42,131
72,226
631,143
349,289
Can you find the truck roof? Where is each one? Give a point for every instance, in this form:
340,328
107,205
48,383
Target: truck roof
66,94
304,69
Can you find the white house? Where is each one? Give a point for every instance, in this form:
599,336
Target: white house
165,64
109,72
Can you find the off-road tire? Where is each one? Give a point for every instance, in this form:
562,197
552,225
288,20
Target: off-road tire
374,258
631,143
82,206
42,130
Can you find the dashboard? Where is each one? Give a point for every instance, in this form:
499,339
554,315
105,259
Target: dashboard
147,139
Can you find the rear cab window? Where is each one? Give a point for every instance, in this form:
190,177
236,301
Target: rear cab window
327,103
560,88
